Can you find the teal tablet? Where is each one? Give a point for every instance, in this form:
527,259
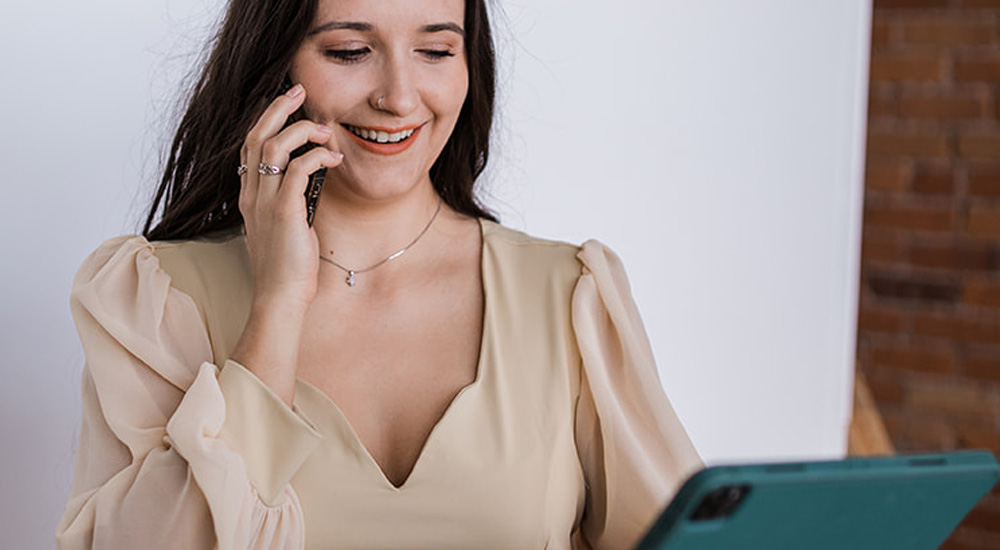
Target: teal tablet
907,501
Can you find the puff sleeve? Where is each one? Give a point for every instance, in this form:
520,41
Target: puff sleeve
633,449
173,452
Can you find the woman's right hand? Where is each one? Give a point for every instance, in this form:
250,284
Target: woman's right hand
284,250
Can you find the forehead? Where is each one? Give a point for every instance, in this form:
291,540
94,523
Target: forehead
391,14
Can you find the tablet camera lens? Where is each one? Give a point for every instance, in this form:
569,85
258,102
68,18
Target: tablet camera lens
720,503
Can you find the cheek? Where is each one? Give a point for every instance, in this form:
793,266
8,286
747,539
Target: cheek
331,95
446,95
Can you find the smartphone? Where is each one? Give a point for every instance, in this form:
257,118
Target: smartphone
907,501
313,190
316,179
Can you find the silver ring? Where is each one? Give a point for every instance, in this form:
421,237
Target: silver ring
268,170
378,103
241,169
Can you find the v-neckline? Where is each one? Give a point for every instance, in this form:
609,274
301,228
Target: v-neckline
355,440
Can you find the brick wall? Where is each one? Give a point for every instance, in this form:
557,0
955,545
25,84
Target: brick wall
929,323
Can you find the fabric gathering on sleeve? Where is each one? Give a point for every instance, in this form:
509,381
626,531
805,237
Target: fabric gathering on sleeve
173,451
633,449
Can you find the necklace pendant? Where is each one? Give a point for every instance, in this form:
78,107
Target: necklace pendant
350,278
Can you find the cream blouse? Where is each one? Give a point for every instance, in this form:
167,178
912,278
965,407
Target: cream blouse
563,440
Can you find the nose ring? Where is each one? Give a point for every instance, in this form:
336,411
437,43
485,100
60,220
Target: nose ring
378,102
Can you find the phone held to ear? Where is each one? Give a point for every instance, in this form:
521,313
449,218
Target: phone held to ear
316,179
312,193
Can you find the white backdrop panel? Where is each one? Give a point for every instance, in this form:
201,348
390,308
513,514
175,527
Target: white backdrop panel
715,145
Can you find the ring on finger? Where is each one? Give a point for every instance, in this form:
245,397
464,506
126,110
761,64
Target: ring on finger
268,169
241,169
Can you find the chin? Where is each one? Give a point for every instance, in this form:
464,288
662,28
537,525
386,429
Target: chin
386,186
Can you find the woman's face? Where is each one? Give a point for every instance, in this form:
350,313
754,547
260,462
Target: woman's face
390,77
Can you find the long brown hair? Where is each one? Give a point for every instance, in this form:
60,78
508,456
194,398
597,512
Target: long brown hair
248,68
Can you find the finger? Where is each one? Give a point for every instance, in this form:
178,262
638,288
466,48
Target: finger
277,149
243,169
266,127
293,187
275,117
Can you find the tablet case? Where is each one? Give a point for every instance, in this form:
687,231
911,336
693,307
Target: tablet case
905,502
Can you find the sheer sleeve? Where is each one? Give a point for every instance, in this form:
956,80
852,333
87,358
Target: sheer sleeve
634,451
173,452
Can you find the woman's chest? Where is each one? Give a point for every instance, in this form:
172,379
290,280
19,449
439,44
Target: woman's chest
498,469
392,369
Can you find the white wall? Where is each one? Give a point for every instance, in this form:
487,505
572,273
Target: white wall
715,145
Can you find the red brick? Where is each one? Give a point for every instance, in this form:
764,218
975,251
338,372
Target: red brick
879,321
881,32
982,368
882,103
885,391
970,538
885,387
944,107
959,400
913,218
955,328
882,252
978,68
888,174
981,146
984,222
908,66
985,182
906,287
880,4
917,360
910,433
982,517
934,181
982,293
964,256
909,145
979,3
992,499
949,31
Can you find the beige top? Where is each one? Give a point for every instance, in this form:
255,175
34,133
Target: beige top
563,440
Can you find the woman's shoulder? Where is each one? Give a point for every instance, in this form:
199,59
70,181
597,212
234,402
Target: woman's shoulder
131,282
535,250
220,255
518,245
187,265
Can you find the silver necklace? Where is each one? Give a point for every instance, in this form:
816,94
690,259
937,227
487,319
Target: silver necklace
350,280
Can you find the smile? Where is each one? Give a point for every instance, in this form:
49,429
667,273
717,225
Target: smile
380,136
383,141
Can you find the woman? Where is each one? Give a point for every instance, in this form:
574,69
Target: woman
404,373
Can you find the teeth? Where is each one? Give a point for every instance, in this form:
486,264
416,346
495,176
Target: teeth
380,136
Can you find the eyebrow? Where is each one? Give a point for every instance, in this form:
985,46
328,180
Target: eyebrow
368,27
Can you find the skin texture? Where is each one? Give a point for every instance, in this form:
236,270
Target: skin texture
393,351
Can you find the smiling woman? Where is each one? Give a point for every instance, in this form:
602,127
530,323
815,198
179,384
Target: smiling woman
469,386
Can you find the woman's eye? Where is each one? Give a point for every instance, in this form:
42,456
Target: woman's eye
437,54
348,56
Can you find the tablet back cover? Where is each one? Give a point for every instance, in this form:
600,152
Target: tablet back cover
893,502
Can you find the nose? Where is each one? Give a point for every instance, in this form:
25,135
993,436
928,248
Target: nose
397,92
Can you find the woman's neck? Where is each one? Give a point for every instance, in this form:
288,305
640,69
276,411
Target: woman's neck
357,232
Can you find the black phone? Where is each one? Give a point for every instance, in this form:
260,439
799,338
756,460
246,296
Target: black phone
316,179
313,190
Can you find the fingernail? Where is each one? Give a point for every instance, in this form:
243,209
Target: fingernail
295,91
325,129
336,155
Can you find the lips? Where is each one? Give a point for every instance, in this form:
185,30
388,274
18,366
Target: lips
383,141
